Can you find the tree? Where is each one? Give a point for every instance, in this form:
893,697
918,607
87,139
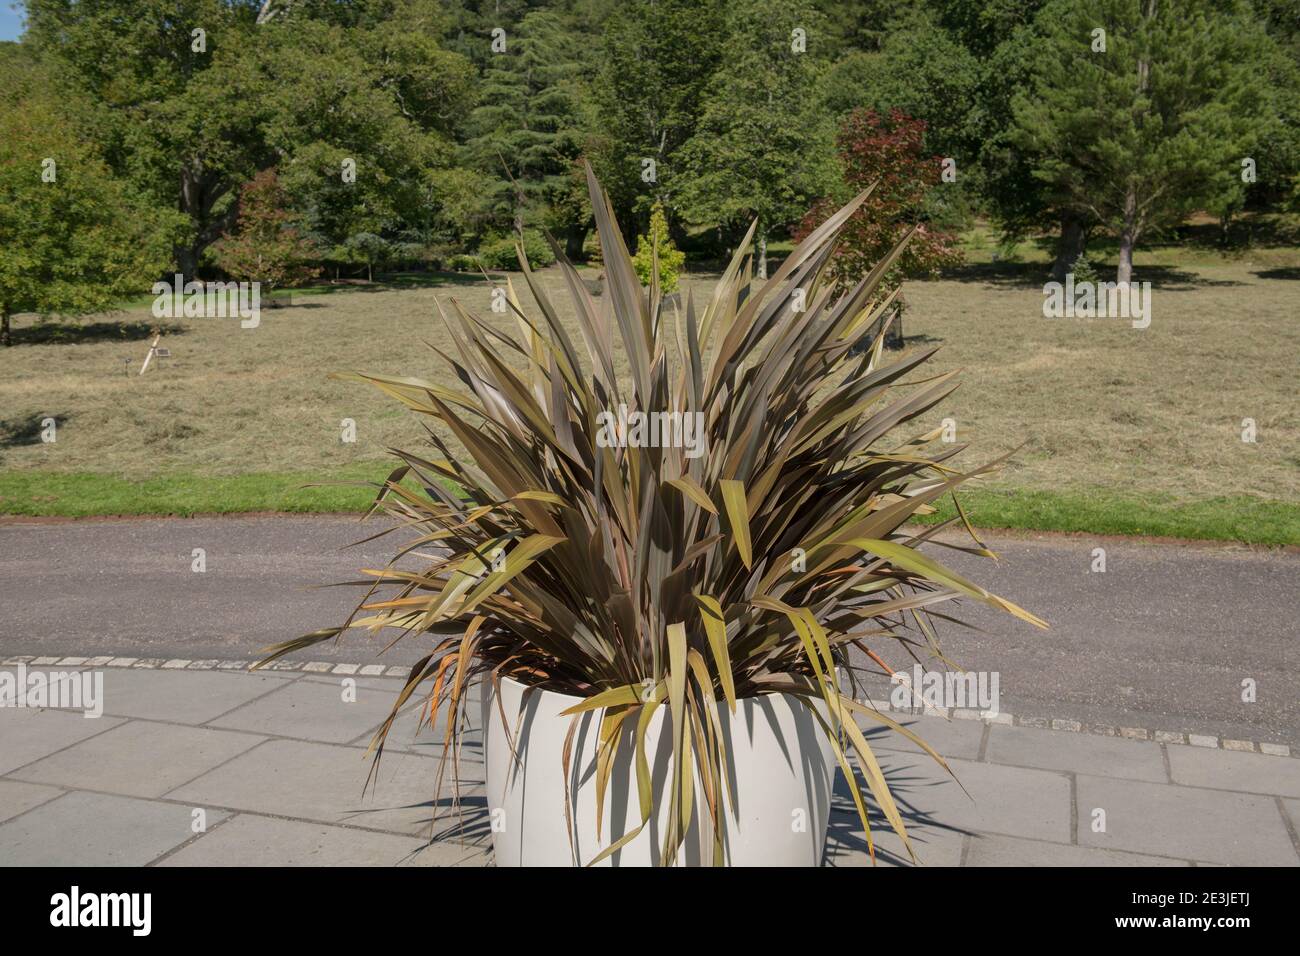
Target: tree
922,71
656,60
657,245
189,116
366,107
1277,151
1153,127
370,248
763,147
888,154
1021,203
73,239
137,69
528,131
267,245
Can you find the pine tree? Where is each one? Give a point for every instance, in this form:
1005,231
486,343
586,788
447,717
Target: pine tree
527,131
1154,125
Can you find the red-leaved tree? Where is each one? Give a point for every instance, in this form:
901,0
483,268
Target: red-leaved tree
890,152
267,245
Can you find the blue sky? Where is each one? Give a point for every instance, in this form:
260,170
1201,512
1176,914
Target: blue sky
11,21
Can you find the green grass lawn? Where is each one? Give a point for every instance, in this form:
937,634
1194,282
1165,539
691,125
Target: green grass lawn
1123,431
81,494
76,495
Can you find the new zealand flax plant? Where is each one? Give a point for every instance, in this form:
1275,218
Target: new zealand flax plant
640,577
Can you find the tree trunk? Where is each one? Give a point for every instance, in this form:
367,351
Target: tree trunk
1069,247
1127,238
894,337
4,329
762,256
200,190
574,240
1129,232
1124,274
187,262
370,272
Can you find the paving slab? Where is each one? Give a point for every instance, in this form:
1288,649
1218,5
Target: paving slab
285,754
323,782
1215,826
1077,753
1009,800
183,697
251,840
139,758
16,797
846,845
408,736
27,734
391,686
1292,808
95,829
440,852
990,850
1234,770
310,710
951,738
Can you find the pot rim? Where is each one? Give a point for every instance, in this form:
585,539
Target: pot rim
505,678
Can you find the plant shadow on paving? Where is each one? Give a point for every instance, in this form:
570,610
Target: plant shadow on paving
844,837
470,824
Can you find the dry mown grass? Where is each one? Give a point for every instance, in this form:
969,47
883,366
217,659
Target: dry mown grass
1102,406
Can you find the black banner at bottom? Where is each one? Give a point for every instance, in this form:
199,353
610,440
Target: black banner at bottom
333,905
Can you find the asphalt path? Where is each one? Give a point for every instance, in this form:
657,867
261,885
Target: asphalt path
1163,639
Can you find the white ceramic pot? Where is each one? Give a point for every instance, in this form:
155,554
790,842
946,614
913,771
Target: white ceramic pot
782,770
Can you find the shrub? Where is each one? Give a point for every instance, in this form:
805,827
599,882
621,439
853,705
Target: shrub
500,253
670,259
1083,269
886,154
462,262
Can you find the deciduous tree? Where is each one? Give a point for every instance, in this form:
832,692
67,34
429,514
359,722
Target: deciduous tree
73,239
886,153
763,147
267,244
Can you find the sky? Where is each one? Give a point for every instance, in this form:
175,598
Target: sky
11,21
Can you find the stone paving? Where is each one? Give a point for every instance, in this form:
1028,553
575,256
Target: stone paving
222,767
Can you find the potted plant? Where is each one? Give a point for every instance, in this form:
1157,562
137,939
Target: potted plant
659,611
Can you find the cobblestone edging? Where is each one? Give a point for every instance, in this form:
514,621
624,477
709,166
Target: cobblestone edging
381,670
